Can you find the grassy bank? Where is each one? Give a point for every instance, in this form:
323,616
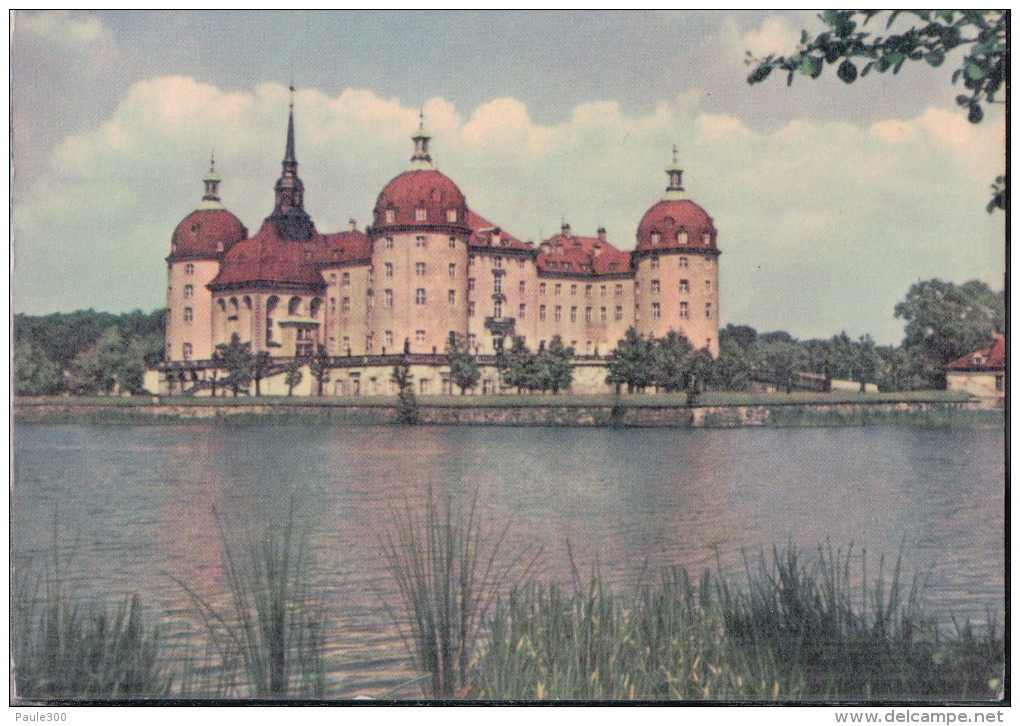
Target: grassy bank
820,626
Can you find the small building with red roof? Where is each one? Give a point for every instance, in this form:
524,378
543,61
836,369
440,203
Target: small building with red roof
981,373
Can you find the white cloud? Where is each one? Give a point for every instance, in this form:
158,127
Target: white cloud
775,35
71,38
823,226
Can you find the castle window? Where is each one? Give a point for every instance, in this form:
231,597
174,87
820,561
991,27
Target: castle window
497,285
541,312
189,269
388,338
292,306
708,310
559,288
521,263
708,284
655,310
332,344
471,284
389,269
683,309
186,351
347,344
390,217
345,305
655,262
451,297
472,340
557,313
497,261
541,288
388,299
420,214
520,311
573,289
602,314
603,291
587,315
685,286
497,309
189,291
573,314
619,289
419,296
346,279
423,386
389,243
421,241
655,287
521,287
452,270
419,269
619,312
471,309
587,290
683,262
368,349
419,336
451,216
188,315
332,278
332,306
223,305
1000,383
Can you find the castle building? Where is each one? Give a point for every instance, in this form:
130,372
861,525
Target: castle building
427,267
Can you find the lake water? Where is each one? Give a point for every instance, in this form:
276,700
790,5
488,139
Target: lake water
138,505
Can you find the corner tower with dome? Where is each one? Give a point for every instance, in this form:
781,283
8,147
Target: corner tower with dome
427,268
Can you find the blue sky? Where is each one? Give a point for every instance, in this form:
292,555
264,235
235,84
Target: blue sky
831,200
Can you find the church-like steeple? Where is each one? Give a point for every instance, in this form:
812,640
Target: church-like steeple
211,198
675,190
292,221
421,159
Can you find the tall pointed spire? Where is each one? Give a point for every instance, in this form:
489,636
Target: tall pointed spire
211,198
421,158
675,190
289,214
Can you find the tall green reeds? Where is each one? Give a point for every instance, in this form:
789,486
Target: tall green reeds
448,569
275,628
67,647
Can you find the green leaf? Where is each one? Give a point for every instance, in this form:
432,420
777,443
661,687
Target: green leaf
811,66
975,114
759,74
935,58
975,72
962,100
847,72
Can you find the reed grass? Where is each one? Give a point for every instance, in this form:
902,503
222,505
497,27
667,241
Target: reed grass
275,627
67,647
448,569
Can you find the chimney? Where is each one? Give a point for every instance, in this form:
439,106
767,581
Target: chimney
565,229
353,224
602,235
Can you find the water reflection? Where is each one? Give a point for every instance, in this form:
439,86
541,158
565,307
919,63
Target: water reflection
142,499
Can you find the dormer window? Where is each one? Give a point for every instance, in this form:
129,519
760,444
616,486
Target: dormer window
451,215
681,238
707,239
420,214
655,238
390,216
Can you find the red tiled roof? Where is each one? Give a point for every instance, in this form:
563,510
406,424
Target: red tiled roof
341,247
991,357
482,231
200,234
668,218
587,255
413,190
269,258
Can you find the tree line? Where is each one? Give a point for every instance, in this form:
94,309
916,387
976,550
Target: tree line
94,353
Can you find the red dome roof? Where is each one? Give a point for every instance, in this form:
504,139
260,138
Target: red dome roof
669,218
206,234
420,189
269,258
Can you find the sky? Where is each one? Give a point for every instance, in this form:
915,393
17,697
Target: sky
830,200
